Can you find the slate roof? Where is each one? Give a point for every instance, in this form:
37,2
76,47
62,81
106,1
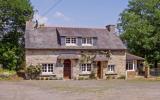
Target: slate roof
133,57
47,38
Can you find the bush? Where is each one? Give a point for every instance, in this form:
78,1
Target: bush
80,78
92,75
122,77
33,72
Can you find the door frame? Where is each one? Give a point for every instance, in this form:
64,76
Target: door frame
69,76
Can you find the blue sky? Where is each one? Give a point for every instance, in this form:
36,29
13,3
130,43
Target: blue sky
79,13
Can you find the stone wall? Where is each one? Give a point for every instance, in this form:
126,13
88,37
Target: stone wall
118,58
34,57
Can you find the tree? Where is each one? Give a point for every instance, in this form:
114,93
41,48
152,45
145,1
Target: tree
140,26
13,16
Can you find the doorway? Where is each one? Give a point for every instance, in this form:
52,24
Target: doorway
99,70
67,69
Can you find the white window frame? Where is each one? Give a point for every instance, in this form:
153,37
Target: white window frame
128,65
86,68
70,42
49,69
86,41
111,68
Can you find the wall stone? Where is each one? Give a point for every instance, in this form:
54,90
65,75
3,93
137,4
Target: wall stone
119,60
35,57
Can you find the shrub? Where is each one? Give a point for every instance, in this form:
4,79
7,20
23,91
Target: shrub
80,78
108,77
33,71
92,75
122,77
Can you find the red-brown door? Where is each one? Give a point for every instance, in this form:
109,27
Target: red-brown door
67,69
99,70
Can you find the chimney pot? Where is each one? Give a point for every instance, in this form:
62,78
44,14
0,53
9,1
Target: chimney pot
111,28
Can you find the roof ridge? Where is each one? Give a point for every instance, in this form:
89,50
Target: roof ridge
71,27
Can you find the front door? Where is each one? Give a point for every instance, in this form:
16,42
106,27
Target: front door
99,70
67,69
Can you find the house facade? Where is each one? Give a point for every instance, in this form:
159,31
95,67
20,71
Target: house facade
72,53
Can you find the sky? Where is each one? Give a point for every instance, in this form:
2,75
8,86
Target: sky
78,13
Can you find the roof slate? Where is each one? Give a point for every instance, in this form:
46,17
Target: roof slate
47,38
133,57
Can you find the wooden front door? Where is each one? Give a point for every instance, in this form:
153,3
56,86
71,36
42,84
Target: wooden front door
67,69
99,70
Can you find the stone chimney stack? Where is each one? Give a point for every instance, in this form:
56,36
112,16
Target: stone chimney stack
111,28
29,25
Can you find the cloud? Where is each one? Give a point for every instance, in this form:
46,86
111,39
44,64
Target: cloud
60,15
41,19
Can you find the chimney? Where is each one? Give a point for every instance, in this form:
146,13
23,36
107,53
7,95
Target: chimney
111,28
29,25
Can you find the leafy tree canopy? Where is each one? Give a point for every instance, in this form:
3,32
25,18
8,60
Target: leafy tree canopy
13,15
140,26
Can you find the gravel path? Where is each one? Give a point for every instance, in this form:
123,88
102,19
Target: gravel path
80,90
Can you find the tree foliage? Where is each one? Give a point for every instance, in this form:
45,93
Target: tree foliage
13,15
140,26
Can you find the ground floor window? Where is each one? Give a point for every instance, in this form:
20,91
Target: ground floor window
86,68
129,66
47,68
111,68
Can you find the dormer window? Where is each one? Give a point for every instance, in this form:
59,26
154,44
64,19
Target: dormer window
71,41
88,41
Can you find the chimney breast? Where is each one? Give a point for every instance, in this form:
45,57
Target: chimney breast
29,25
111,28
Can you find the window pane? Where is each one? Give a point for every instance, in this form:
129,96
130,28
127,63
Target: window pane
73,40
47,67
89,40
83,40
129,65
111,68
88,67
68,40
44,69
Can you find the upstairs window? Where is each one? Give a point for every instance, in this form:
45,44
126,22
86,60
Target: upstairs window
71,41
88,41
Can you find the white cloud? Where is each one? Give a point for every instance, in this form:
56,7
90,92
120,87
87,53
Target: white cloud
60,15
41,19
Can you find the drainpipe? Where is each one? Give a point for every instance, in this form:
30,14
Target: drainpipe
126,76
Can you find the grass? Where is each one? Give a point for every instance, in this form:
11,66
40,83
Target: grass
6,74
6,71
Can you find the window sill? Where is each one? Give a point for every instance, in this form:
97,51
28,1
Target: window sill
71,45
130,70
46,74
85,73
113,73
87,45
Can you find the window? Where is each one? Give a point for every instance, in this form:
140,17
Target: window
129,66
47,69
86,68
71,41
111,68
87,41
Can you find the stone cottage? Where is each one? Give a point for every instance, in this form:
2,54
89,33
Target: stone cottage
71,53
